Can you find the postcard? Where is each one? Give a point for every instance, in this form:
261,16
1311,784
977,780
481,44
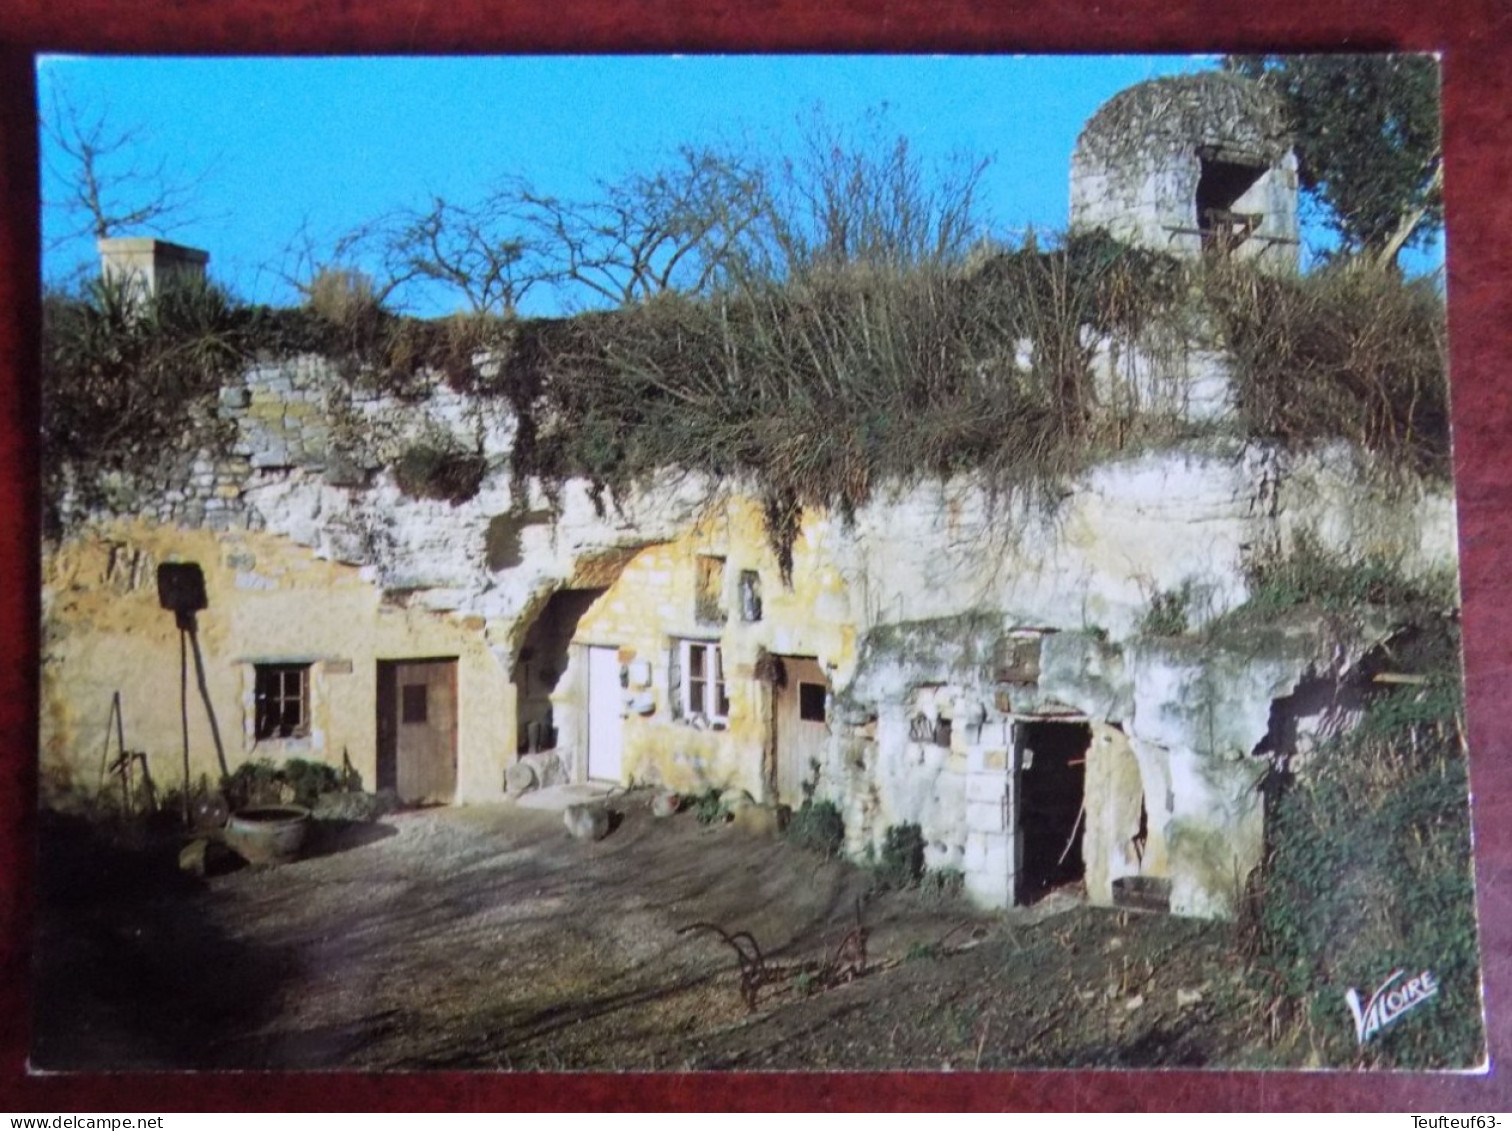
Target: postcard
796,563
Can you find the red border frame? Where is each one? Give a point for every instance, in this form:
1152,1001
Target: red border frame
1476,41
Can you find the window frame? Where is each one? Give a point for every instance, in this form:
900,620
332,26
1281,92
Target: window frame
803,704
712,680
709,579
267,725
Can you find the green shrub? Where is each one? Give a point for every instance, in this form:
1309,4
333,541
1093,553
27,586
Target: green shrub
309,780
439,469
263,782
1168,612
125,375
818,827
707,807
253,783
921,951
1308,573
1340,585
1369,871
943,883
901,862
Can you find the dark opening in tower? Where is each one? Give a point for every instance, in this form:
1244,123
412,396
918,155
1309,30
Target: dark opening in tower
1051,798
1222,217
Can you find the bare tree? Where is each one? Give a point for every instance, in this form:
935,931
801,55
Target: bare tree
109,187
685,227
707,219
486,252
858,194
713,218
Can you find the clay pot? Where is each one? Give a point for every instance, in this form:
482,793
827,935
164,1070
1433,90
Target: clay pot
268,834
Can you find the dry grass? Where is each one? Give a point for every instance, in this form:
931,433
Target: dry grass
1346,353
814,389
817,389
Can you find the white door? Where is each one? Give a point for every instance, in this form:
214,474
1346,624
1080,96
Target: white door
802,728
605,714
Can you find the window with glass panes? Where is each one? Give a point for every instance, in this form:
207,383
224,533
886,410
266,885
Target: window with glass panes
283,700
703,682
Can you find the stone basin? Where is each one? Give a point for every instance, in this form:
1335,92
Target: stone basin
268,834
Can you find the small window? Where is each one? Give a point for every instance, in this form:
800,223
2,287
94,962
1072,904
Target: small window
750,595
283,701
413,702
811,702
930,732
708,598
703,682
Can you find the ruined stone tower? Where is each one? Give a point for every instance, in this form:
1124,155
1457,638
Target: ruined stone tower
1190,165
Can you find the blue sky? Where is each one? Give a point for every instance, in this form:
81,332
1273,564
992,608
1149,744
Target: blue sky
271,146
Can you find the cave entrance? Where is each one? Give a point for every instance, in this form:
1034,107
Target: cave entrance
1052,760
541,662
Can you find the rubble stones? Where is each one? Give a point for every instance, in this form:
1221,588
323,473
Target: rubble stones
587,822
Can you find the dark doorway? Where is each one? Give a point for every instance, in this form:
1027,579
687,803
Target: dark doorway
417,729
1052,789
541,662
1219,189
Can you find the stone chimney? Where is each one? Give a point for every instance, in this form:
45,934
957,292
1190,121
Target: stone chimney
147,264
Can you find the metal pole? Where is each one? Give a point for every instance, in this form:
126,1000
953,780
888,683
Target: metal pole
184,711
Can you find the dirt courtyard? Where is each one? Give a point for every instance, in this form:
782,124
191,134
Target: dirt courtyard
487,938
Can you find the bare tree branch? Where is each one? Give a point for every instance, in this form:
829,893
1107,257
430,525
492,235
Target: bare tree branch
685,227
857,195
110,188
1410,220
706,220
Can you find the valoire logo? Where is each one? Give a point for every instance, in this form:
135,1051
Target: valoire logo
1387,1004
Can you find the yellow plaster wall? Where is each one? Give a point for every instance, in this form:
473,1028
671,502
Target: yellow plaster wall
651,606
269,601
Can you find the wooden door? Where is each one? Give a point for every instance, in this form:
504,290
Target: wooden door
606,730
802,725
417,729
